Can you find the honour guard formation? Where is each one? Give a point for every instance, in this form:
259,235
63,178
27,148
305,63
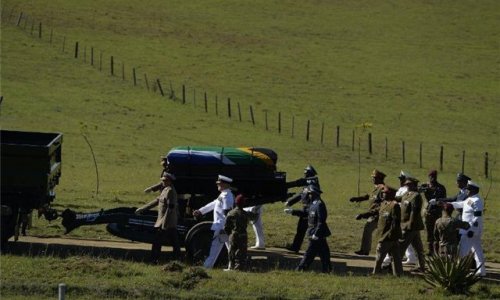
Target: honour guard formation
395,219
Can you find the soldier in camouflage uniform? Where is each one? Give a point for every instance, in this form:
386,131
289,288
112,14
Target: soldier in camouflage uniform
389,232
445,232
375,200
411,222
236,226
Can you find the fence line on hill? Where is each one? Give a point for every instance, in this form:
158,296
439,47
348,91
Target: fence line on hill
155,86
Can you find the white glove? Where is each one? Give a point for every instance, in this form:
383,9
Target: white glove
314,237
432,202
138,211
288,211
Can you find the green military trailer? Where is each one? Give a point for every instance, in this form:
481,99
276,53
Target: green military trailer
30,170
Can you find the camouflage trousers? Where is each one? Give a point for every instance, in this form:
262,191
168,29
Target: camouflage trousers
238,243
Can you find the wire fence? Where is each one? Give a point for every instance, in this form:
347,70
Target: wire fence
379,149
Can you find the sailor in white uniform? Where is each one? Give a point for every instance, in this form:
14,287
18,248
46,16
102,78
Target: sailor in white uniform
220,207
470,241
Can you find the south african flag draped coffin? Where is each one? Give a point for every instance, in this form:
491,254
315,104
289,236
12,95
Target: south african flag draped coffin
252,169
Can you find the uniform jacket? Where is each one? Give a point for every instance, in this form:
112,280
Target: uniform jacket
317,219
223,203
446,229
237,220
434,192
472,213
389,222
167,208
411,208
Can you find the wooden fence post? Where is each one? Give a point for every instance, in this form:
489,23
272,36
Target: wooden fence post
463,161
172,92
123,71
76,50
112,66
486,163
183,94
338,136
229,107
25,22
353,136
293,125
265,115
40,30
403,151
386,149
32,26
279,122
322,131
420,156
206,103
441,158
134,76
251,115
370,143
51,35
307,129
239,111
63,44
146,81
159,87
19,19
216,105
85,54
92,56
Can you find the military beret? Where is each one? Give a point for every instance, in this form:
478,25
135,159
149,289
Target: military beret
240,200
432,173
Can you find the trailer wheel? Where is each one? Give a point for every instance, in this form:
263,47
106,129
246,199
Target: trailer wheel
198,242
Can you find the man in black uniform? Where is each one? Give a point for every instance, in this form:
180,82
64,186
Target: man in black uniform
310,178
462,180
432,190
317,232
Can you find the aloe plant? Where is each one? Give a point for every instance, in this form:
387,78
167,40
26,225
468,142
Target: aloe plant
451,273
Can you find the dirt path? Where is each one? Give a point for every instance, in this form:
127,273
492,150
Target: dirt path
271,258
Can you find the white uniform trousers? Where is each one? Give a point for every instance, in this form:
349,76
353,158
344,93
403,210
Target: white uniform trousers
218,242
473,245
257,226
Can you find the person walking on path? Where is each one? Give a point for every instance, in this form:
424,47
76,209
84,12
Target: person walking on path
220,207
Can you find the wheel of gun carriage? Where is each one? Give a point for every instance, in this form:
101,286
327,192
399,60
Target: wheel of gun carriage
198,241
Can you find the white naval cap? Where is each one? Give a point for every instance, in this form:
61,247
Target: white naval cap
404,175
222,178
472,184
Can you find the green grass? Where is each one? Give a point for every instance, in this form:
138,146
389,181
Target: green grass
419,71
91,278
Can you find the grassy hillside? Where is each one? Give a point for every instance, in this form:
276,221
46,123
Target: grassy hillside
419,71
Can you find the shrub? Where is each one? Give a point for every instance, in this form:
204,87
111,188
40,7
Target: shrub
451,273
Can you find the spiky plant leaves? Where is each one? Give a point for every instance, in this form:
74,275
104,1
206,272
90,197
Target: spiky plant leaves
451,273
